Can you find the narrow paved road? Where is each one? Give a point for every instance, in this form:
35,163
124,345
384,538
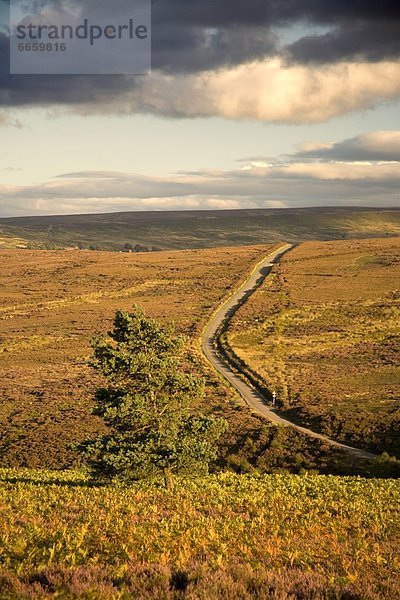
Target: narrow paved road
255,400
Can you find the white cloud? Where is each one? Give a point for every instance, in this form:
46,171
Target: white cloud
266,90
7,120
373,146
341,171
259,184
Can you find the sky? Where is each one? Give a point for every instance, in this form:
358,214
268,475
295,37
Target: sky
249,104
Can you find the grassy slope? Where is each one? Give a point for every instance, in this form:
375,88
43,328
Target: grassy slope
197,229
51,303
324,332
217,537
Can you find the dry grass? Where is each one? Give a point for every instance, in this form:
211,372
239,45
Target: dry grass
52,303
324,332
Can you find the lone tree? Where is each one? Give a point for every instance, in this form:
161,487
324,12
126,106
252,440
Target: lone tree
148,404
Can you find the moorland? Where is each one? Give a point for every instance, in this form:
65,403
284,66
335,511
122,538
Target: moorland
51,305
323,331
196,229
271,520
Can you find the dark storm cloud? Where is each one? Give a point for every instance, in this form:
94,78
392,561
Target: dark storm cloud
368,29
179,45
326,12
225,13
364,40
195,36
214,13
20,90
191,36
360,29
191,49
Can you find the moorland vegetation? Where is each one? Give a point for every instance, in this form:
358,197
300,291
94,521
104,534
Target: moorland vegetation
323,331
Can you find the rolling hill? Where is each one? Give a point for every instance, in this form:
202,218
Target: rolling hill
196,229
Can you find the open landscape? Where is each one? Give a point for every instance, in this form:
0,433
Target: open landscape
51,306
196,229
241,531
323,331
53,303
199,300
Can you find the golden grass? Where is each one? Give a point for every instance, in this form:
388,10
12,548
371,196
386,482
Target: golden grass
344,530
324,332
52,303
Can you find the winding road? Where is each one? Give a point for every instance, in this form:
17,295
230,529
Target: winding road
253,398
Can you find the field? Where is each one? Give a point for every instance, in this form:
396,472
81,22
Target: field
225,536
52,303
324,332
236,533
196,229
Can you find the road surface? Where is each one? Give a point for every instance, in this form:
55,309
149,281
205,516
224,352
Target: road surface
253,398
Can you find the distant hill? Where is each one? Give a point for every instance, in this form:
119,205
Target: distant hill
139,231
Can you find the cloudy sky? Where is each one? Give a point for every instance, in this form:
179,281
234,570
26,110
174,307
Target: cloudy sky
250,103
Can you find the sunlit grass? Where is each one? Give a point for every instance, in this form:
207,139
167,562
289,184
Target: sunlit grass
346,529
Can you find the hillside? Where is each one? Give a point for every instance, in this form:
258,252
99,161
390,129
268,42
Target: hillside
323,331
196,229
240,534
51,305
226,537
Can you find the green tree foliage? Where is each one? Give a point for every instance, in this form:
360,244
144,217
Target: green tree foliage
148,405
